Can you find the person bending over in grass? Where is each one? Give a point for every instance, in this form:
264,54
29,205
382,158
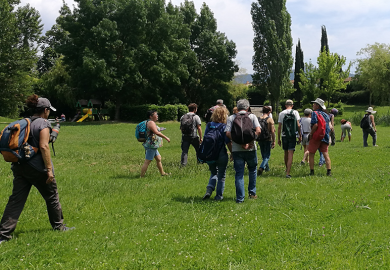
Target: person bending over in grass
37,171
346,126
218,168
152,143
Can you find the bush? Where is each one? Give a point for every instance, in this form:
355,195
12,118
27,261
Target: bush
383,119
167,113
137,113
181,110
356,118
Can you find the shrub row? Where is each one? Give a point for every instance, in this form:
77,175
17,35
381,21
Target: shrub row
137,113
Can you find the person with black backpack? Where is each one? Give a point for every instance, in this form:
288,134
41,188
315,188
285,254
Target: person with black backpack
210,111
368,126
213,152
37,171
289,128
191,127
266,139
243,128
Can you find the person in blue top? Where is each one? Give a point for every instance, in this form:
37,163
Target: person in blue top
319,107
218,169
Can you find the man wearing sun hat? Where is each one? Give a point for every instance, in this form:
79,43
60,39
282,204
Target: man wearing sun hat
319,108
372,128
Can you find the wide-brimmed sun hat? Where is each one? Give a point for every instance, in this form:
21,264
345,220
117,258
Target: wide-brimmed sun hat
370,110
320,102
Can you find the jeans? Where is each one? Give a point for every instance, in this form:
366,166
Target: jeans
365,136
185,146
322,159
265,148
240,157
218,173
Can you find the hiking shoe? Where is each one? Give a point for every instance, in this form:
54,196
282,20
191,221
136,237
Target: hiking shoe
253,196
3,240
64,228
302,162
218,198
260,171
288,176
328,173
208,194
311,172
239,201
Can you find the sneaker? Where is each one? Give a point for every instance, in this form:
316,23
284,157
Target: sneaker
64,228
311,172
239,201
376,145
218,198
260,171
302,162
328,173
288,176
253,196
208,194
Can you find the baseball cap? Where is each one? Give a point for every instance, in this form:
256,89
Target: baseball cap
45,103
289,102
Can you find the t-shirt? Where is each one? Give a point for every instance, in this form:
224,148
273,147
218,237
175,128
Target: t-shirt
270,125
195,123
37,125
314,121
305,125
224,137
235,146
283,114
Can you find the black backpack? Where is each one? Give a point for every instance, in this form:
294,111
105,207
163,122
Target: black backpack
290,126
187,124
265,135
212,144
365,123
208,114
242,129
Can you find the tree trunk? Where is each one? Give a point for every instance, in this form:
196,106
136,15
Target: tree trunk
117,110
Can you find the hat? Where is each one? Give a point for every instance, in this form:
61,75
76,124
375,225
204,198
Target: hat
219,101
343,121
370,110
320,102
307,111
45,103
289,102
334,111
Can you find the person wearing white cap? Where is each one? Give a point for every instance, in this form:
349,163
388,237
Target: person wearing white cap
319,109
370,128
38,172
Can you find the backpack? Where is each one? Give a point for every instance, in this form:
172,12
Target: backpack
212,144
208,114
290,126
13,141
319,134
242,129
140,131
265,135
187,124
365,122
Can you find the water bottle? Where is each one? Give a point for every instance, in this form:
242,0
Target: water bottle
54,132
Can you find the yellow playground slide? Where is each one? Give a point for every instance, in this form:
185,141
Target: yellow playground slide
88,113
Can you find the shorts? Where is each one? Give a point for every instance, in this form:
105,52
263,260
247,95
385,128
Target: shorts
305,139
314,145
288,145
150,153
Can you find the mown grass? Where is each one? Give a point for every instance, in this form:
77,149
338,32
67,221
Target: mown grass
124,222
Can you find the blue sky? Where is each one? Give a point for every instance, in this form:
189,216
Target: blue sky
351,24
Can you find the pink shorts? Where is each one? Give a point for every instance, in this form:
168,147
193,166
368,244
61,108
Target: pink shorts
315,144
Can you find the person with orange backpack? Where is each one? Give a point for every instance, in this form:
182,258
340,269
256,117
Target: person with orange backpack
319,135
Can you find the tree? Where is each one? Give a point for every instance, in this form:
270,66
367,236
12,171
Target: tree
299,67
329,67
373,71
324,40
309,82
19,30
272,44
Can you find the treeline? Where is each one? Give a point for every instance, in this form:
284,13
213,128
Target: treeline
126,52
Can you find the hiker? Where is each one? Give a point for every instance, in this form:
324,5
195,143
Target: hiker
266,139
37,171
333,113
63,118
153,142
190,126
244,148
305,131
235,110
319,135
346,126
368,126
210,111
218,167
289,128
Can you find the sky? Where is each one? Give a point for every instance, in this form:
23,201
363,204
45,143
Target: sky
351,24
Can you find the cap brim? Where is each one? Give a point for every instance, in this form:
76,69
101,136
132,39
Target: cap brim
53,109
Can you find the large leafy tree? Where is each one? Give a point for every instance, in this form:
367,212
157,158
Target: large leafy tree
309,82
299,67
272,44
20,30
373,71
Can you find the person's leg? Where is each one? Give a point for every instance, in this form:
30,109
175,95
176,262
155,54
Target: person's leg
239,166
268,145
324,149
213,177
145,167
290,155
285,158
327,160
333,137
373,135
322,159
15,205
251,159
195,143
222,165
159,164
365,137
313,146
306,154
185,146
265,147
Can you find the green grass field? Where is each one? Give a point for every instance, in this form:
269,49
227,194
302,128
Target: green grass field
124,222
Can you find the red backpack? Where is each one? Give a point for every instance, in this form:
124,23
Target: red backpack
319,134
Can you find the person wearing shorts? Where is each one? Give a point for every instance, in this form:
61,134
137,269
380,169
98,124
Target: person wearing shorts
346,126
305,130
314,145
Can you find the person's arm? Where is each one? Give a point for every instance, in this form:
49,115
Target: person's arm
299,131
373,122
313,129
332,122
279,132
200,133
44,137
153,128
229,135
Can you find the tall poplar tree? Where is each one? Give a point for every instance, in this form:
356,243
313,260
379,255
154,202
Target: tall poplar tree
272,44
299,67
324,39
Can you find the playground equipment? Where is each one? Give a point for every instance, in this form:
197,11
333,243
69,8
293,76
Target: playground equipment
92,109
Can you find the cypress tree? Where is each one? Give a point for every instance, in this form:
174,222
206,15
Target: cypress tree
299,67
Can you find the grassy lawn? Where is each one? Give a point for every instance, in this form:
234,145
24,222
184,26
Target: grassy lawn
124,222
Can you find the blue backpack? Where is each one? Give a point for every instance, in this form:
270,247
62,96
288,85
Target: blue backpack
212,144
13,141
140,131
